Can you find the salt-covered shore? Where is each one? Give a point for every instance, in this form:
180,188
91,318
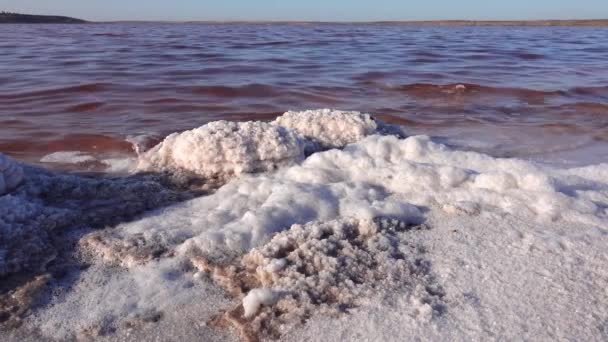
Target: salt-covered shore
321,225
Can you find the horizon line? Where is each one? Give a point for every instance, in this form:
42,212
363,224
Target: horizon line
531,22
346,21
536,22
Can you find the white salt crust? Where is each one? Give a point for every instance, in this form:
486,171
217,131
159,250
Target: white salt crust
379,176
256,298
330,129
222,149
520,224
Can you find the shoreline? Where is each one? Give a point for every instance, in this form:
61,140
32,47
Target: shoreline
445,23
18,18
52,19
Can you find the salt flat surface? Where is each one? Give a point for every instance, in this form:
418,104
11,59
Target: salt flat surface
504,279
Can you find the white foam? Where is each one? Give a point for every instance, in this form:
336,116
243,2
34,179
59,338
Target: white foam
119,165
142,142
11,174
68,157
113,163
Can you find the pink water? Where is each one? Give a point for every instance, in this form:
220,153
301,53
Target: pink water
539,93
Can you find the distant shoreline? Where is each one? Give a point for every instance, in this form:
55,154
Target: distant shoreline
446,23
17,18
594,22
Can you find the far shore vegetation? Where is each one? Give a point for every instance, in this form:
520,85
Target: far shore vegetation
18,18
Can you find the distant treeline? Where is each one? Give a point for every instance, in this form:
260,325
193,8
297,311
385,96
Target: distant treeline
18,18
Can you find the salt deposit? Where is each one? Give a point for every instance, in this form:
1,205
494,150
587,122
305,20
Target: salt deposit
503,278
379,176
322,268
328,128
222,149
48,205
11,174
300,240
256,298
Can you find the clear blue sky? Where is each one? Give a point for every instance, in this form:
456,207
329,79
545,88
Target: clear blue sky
314,10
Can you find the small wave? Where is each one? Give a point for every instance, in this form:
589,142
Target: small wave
434,90
250,90
90,143
529,56
85,107
601,92
99,147
112,35
581,108
274,43
106,163
76,89
67,157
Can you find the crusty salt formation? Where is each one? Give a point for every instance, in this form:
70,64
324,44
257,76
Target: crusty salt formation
329,128
222,149
321,268
15,303
11,174
34,216
128,252
37,218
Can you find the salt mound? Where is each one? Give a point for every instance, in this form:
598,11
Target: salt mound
378,176
11,174
330,129
322,268
221,149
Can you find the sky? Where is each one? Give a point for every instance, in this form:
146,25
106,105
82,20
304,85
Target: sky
313,10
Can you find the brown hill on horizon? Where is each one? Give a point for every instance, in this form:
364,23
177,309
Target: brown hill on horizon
17,18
